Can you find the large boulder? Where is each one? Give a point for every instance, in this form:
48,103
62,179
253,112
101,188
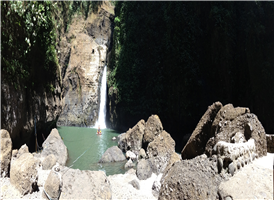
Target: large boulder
55,145
231,123
23,173
143,170
132,140
6,150
112,154
52,185
85,184
197,141
197,178
49,162
153,128
160,150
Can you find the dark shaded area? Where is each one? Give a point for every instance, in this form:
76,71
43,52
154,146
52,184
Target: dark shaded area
175,59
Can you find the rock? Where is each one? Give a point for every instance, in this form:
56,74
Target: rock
153,128
143,170
42,177
114,138
23,149
112,154
132,139
156,186
131,171
55,145
231,168
159,151
142,154
85,184
5,154
197,178
49,162
23,173
231,123
174,158
135,184
131,155
129,164
197,141
238,138
52,185
220,164
270,143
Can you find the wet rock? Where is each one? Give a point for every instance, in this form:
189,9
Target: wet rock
143,170
160,150
197,141
153,128
85,184
112,154
135,184
6,150
23,173
55,145
49,162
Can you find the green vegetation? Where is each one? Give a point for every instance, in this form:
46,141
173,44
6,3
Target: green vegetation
177,58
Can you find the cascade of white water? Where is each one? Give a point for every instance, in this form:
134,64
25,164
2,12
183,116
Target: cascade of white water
103,95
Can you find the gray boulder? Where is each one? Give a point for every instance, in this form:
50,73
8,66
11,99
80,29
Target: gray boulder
49,162
6,150
160,150
143,170
153,128
197,178
23,173
112,154
55,145
132,139
52,185
85,184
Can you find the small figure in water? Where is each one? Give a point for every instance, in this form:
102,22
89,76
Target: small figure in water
99,131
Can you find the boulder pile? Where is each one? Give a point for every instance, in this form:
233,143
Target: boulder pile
225,140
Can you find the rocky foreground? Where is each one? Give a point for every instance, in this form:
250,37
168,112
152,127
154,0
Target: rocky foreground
225,158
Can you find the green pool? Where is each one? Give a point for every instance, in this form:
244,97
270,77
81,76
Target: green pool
85,149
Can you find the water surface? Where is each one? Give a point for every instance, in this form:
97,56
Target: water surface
86,148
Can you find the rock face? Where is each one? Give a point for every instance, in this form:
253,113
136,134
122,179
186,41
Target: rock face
112,154
143,170
160,150
132,139
197,141
197,178
153,128
23,173
85,184
55,145
90,41
270,143
6,150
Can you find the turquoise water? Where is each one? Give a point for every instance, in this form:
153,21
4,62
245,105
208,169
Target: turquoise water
86,148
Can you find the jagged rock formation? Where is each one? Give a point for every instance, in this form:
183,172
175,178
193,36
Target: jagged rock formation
87,54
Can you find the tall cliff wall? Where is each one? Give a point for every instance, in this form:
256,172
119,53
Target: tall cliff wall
90,42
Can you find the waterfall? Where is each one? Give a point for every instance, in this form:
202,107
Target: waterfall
103,100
